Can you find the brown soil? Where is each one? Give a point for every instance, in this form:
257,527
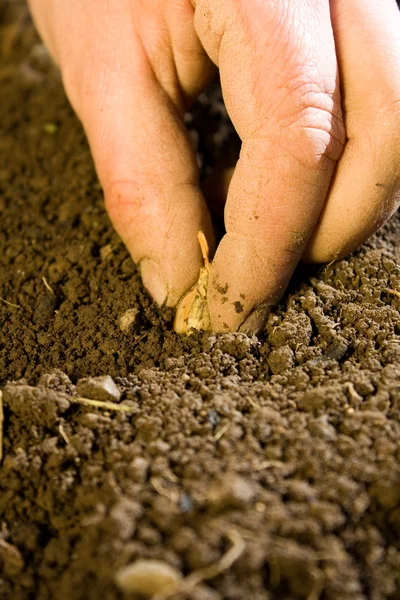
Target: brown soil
291,442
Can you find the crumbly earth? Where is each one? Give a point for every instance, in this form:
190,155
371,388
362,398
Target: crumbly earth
289,443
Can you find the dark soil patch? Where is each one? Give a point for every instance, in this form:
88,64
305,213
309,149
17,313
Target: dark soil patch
291,441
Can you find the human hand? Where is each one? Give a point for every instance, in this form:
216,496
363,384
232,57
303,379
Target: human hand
129,69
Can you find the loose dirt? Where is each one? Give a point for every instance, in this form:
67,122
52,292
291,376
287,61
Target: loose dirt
288,444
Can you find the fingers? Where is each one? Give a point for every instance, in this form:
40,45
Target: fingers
365,190
138,140
194,70
150,181
279,77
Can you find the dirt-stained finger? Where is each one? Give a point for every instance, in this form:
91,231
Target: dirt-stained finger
281,88
366,187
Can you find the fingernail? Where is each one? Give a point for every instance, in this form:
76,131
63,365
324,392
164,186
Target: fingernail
255,322
154,280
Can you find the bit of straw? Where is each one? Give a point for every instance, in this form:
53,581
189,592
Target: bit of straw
221,431
46,284
334,259
101,404
10,303
394,292
63,434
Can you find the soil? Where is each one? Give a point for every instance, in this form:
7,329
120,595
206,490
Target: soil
288,444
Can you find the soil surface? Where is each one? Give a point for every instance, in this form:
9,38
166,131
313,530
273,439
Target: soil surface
278,455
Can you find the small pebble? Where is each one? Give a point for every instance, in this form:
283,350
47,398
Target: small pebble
336,352
185,503
105,251
98,388
128,319
148,578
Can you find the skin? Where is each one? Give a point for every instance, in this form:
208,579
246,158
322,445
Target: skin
313,90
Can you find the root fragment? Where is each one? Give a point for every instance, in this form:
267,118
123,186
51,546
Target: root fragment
47,285
223,564
10,303
192,311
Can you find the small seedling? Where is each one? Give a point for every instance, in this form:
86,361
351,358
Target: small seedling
157,580
192,311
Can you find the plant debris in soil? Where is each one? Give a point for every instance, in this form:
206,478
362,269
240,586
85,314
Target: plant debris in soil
288,445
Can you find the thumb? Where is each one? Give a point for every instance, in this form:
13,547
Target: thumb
142,152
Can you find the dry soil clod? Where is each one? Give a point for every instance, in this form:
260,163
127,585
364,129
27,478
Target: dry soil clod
192,311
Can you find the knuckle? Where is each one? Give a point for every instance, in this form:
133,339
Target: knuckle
317,136
314,127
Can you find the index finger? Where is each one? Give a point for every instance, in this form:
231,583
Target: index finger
280,82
